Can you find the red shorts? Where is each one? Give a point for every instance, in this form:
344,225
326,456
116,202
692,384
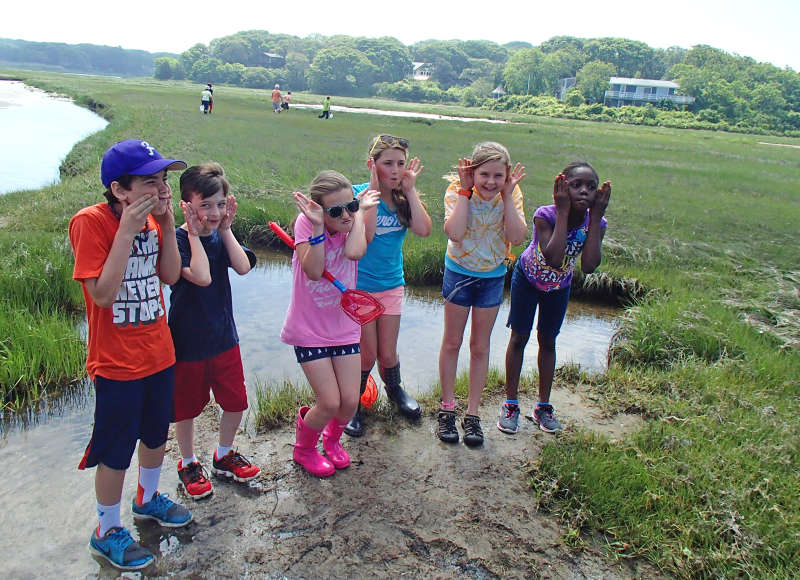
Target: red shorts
222,374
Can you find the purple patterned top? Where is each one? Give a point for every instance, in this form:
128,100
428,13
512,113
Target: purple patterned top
532,260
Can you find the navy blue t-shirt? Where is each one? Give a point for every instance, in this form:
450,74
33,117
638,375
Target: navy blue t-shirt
201,317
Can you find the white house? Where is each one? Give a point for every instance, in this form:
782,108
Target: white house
421,71
624,91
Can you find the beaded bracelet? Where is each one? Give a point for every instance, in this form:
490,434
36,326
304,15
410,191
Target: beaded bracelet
318,240
465,192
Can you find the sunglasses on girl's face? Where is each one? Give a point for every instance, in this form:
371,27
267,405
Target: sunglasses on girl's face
335,211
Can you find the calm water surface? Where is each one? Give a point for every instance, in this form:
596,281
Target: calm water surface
38,131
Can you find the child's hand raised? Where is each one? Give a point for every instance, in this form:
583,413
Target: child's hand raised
374,183
601,201
413,169
561,197
368,199
513,177
230,213
309,208
134,215
194,224
465,175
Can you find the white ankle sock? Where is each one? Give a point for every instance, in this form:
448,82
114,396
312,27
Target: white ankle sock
148,481
222,451
108,516
188,460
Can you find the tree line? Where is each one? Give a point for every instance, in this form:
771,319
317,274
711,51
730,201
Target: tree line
731,92
78,58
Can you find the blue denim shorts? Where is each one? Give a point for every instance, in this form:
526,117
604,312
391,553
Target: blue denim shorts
472,291
126,411
525,297
305,354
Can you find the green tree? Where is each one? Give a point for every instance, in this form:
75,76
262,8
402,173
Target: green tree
391,58
592,80
297,64
165,67
188,58
574,98
523,72
341,70
231,50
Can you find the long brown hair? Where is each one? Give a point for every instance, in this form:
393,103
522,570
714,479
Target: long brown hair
383,143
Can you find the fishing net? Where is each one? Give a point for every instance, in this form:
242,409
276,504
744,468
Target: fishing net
361,306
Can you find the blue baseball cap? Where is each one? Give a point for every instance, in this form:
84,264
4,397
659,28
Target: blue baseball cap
134,157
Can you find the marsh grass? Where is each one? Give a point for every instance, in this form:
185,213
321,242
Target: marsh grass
702,244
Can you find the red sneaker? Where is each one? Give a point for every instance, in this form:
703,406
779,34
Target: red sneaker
235,465
194,480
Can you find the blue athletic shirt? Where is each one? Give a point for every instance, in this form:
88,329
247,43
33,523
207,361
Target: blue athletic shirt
381,268
201,317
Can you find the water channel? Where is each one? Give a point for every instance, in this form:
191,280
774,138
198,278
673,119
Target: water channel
38,131
49,504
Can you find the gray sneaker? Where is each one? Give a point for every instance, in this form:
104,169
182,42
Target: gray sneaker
543,414
509,418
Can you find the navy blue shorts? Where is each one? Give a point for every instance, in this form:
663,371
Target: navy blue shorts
472,291
306,354
126,411
525,297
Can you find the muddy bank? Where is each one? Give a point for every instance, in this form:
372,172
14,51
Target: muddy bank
408,506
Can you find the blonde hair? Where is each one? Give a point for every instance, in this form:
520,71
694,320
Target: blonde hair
490,151
484,152
379,144
326,182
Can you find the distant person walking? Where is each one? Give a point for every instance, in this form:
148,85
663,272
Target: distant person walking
326,109
276,99
205,100
286,100
211,101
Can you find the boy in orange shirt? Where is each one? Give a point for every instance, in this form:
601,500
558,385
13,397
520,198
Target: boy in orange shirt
123,250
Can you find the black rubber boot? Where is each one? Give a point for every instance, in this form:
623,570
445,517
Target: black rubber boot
406,404
355,428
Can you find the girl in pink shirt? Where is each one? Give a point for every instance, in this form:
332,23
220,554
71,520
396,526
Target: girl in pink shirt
329,235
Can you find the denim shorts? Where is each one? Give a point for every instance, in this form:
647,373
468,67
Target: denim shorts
126,411
306,354
525,297
472,291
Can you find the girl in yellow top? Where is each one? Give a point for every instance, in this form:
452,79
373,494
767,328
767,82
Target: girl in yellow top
483,219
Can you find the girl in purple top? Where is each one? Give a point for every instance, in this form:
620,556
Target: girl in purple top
329,234
574,224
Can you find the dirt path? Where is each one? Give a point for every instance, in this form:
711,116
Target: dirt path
408,506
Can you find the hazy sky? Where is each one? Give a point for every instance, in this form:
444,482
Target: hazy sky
766,30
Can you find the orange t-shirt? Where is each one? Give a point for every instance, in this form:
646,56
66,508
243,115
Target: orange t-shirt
276,96
130,339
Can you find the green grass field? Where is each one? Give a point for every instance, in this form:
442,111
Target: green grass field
703,224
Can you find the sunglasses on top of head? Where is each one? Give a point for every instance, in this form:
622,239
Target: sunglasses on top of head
391,141
335,211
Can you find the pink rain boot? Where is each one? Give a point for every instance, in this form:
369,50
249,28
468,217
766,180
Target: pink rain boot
305,448
331,436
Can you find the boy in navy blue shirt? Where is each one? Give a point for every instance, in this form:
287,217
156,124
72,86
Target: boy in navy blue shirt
203,329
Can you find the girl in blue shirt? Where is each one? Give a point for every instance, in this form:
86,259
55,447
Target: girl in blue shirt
380,271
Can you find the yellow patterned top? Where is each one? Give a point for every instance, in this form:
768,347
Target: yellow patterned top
484,246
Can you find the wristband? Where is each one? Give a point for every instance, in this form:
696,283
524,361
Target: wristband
318,240
466,193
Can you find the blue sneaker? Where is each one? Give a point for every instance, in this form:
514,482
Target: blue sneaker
120,550
163,510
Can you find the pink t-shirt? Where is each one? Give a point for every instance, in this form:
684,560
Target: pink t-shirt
315,317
